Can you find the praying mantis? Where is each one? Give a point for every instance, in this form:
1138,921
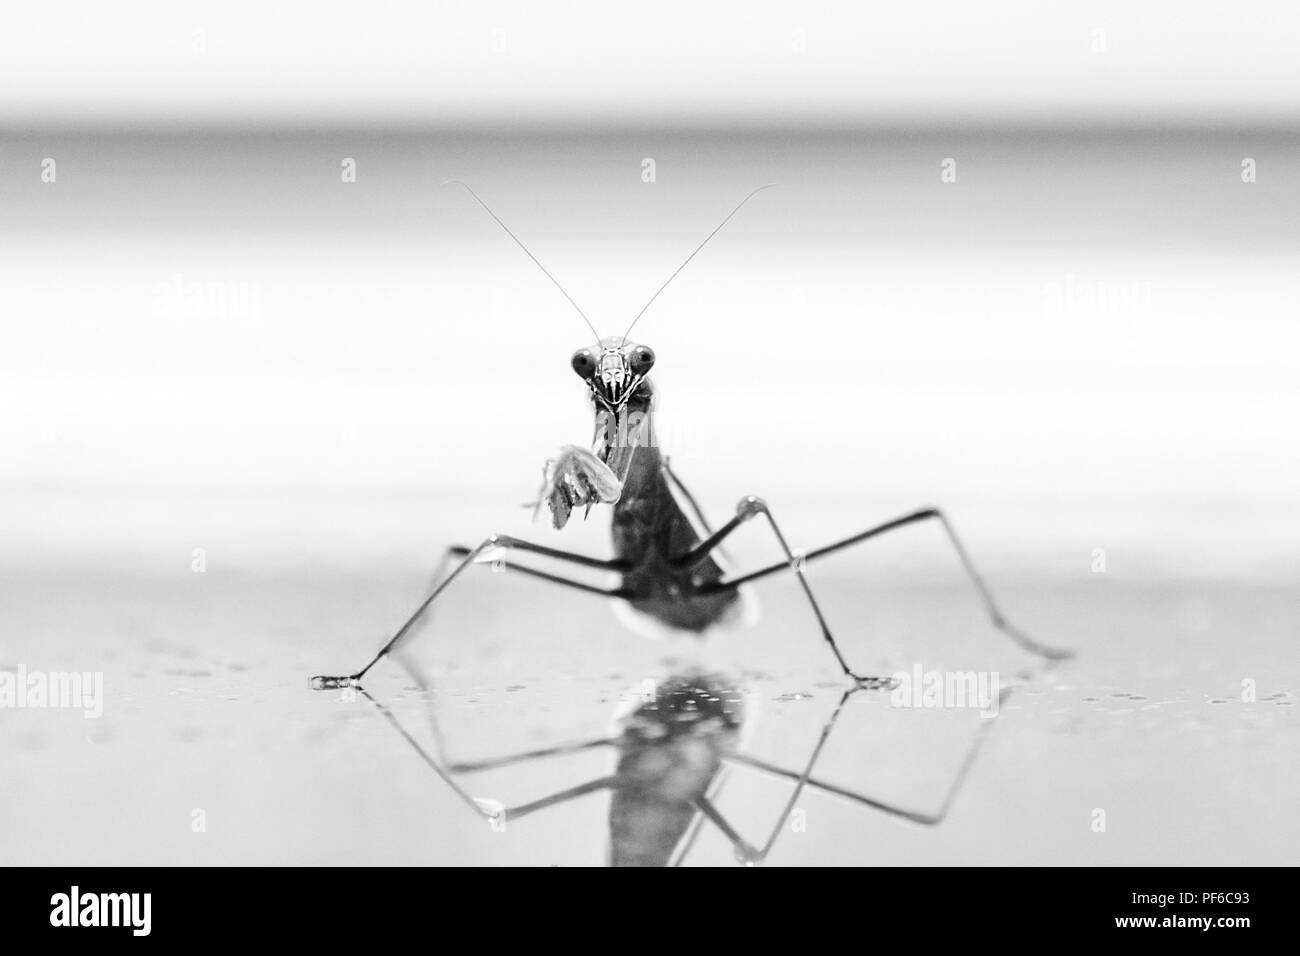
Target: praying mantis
665,561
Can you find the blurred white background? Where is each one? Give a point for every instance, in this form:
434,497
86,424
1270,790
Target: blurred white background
1085,341
211,341
590,63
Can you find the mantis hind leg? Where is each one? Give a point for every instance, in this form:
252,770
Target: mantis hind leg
996,617
490,545
751,507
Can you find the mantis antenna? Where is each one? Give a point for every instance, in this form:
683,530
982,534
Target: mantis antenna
691,256
554,281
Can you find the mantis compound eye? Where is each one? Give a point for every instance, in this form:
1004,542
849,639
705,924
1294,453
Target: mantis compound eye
584,363
641,360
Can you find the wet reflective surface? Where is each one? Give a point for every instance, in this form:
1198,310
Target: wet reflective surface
207,709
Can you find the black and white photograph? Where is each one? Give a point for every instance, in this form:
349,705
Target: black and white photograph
778,434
